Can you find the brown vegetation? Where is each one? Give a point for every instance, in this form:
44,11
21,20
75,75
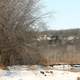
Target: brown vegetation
66,48
18,38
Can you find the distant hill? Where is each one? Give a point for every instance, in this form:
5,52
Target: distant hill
62,32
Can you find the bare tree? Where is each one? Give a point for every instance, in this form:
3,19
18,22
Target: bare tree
17,29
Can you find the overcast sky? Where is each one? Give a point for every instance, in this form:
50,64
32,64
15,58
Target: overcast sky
66,13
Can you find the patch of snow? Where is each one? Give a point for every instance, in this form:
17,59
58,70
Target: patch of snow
70,38
37,74
62,67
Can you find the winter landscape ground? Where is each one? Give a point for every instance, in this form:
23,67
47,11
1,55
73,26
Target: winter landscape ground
38,72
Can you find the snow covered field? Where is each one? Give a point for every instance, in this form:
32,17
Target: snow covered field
37,72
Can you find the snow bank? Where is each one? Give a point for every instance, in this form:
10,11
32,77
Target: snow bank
36,73
62,67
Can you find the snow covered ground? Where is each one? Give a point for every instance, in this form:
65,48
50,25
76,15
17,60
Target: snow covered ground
37,72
